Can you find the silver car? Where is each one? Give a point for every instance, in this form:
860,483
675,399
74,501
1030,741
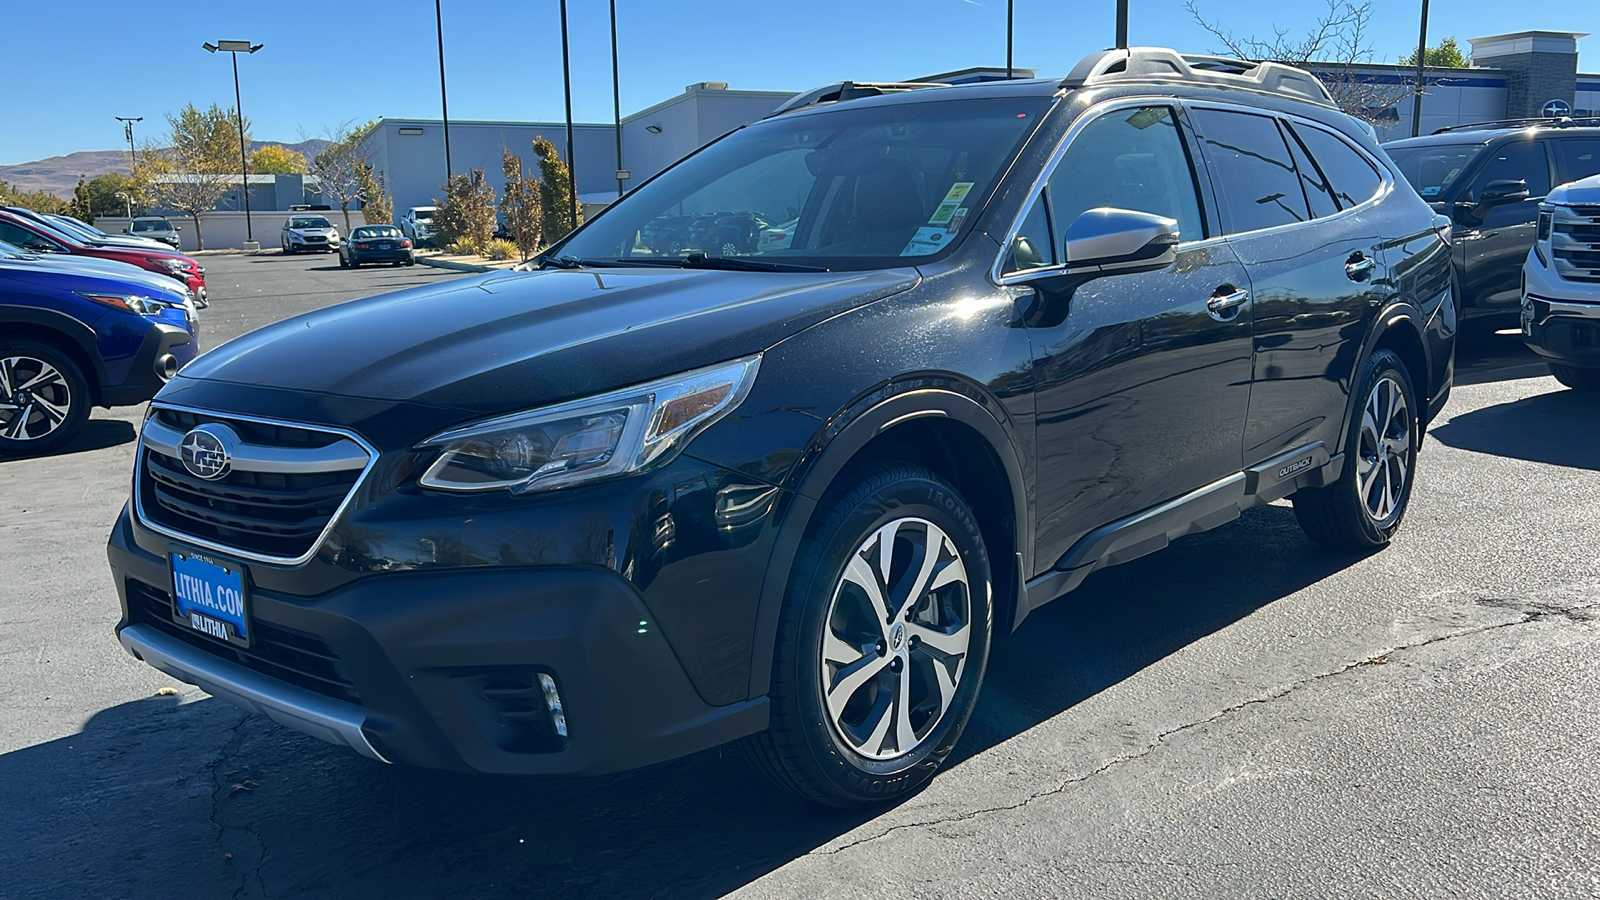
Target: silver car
154,227
311,233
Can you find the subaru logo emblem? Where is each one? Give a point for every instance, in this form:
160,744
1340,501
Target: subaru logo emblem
207,451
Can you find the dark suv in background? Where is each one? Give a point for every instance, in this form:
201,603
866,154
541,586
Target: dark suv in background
1489,179
656,498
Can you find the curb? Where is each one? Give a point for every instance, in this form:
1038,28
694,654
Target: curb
452,264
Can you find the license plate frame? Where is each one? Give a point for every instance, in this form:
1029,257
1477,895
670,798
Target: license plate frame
209,597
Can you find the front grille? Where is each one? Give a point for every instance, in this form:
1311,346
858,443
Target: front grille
1575,242
314,239
278,515
291,656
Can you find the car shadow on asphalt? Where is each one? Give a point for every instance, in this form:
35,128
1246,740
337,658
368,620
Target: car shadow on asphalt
1561,427
151,795
97,434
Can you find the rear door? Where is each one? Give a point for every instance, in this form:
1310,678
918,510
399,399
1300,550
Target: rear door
1312,258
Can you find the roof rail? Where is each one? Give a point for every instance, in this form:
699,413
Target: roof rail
1534,122
1162,64
849,90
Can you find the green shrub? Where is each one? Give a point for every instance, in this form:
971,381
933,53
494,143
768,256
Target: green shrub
501,249
464,246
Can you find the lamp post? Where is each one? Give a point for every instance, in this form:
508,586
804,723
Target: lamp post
616,98
566,80
1010,30
1422,60
127,132
1122,24
235,48
444,103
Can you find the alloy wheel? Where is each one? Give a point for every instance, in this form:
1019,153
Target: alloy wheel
1385,449
34,398
896,639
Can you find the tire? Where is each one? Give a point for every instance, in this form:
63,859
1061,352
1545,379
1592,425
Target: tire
44,397
343,263
854,748
411,262
1364,508
1576,378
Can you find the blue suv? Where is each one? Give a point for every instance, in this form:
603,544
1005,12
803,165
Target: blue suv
71,340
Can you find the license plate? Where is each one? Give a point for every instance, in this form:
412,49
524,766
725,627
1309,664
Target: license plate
209,597
385,246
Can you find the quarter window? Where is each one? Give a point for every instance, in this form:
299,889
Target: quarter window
1318,194
1351,176
1253,171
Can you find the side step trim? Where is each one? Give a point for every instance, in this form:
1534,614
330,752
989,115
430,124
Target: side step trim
293,707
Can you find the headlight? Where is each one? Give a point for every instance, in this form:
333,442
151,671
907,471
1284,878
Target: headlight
175,266
613,434
144,306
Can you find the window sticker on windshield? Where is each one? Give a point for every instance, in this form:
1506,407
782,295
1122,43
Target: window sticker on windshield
958,191
928,239
956,220
1430,190
945,212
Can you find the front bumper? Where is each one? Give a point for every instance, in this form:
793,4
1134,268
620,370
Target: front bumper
147,374
1560,319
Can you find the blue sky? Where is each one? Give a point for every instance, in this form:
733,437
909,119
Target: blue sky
76,65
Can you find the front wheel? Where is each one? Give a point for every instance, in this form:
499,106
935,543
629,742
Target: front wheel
343,263
1576,378
44,398
1363,508
882,641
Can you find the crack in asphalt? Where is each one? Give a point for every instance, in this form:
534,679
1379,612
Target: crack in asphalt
219,790
1530,611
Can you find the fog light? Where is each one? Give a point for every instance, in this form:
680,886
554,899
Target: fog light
552,702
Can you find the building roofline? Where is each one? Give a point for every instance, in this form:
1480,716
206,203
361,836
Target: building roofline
397,120
776,96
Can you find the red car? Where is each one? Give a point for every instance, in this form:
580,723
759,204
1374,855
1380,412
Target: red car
31,235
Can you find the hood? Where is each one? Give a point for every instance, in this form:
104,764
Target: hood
149,283
43,277
1583,192
511,341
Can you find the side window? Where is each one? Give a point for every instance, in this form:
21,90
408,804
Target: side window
1521,161
1252,170
1576,157
1318,194
1349,173
16,234
1033,246
1127,159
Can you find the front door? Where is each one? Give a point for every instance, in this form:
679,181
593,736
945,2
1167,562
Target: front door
1142,378
1495,237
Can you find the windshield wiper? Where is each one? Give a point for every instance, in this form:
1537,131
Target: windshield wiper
743,264
571,262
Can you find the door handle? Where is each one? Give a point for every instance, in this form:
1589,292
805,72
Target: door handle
1359,266
1226,298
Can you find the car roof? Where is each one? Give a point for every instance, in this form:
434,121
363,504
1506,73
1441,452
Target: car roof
1492,133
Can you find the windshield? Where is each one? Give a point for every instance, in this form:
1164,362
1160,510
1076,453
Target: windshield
422,214
1431,169
849,188
151,226
309,222
72,228
376,231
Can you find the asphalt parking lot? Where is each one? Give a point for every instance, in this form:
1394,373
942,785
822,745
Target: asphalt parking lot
1243,714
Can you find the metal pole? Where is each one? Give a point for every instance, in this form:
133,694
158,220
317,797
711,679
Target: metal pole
566,78
444,103
616,95
1422,59
127,132
1122,24
244,162
1010,32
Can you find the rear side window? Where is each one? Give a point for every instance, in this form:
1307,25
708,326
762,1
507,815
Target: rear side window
1318,194
1576,157
1349,173
1127,159
1516,161
1252,170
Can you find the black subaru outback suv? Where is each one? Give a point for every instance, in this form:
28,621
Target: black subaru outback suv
1489,179
641,503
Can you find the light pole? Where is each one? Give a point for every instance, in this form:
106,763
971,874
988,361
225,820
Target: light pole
235,48
616,97
444,103
1422,59
566,79
127,132
1122,24
1010,30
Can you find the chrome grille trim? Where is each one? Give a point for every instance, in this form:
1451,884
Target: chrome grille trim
318,456
340,456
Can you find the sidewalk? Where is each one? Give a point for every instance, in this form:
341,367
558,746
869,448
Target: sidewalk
464,263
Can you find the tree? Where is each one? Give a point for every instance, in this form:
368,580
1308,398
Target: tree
377,207
38,201
520,204
199,167
1446,55
467,213
276,159
338,168
1335,45
104,190
555,196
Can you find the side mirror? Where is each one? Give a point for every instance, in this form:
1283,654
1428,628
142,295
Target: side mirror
125,231
1504,190
177,228
1116,237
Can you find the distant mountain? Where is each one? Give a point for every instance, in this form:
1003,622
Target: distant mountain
59,174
